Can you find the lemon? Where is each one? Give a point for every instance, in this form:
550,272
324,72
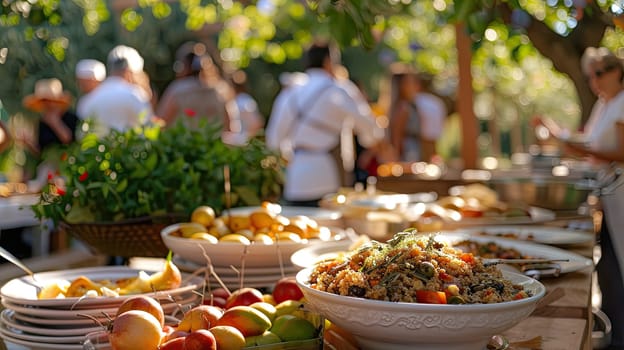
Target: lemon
204,237
287,237
204,215
263,238
245,232
233,237
189,228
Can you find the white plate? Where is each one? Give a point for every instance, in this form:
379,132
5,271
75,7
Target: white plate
22,290
309,256
575,261
540,234
8,317
5,330
190,266
60,314
46,346
324,217
55,322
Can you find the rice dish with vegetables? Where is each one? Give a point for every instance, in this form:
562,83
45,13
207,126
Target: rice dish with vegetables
415,269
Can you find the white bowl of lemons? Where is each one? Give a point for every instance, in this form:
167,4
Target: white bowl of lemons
259,236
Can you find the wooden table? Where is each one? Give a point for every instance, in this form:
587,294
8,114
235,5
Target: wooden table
565,324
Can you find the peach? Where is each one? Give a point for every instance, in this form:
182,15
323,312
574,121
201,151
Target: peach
145,303
247,319
201,339
200,317
176,333
173,344
135,329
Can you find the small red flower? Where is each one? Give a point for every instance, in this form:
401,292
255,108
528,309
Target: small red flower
50,176
83,176
60,191
190,112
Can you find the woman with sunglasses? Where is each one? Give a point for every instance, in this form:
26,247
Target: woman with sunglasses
604,144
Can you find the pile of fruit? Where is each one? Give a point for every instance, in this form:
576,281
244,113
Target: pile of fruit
264,225
244,318
83,286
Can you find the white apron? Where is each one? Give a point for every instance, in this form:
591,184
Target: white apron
612,197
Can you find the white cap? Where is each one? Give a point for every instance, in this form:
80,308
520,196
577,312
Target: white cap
132,58
294,78
90,69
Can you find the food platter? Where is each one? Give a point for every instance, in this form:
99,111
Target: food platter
575,261
309,256
536,215
537,234
23,290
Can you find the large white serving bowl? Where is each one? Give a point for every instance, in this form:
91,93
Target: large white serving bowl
415,326
230,253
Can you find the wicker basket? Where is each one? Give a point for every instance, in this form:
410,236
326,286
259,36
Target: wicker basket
127,238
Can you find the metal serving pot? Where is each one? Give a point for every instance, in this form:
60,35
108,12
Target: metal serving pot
555,193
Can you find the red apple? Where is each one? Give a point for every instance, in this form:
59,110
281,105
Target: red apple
243,297
173,344
145,303
215,301
202,339
220,293
286,289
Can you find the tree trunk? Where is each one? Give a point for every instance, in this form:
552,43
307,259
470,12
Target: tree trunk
566,51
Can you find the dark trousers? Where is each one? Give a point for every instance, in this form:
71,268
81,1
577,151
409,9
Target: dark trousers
611,285
307,203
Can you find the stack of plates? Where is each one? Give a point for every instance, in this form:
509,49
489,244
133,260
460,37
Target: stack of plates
231,276
63,323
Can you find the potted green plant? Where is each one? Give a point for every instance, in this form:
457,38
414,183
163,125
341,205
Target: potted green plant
148,177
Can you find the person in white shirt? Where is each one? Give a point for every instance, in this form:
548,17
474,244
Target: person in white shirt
604,144
311,122
118,102
432,112
89,74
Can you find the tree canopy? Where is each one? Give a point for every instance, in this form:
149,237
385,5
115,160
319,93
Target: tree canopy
513,40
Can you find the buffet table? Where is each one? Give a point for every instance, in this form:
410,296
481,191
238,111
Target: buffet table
566,323
15,212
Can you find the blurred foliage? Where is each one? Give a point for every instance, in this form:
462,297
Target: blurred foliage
512,80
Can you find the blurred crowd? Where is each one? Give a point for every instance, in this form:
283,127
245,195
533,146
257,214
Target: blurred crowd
321,121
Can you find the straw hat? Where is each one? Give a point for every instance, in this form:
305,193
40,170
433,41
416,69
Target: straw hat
47,91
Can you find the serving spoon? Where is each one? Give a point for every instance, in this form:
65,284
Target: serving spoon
15,261
489,262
